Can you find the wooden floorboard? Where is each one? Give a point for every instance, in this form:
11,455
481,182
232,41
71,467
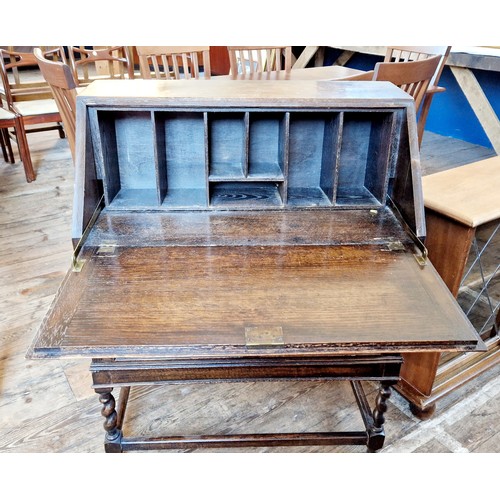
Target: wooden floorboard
48,406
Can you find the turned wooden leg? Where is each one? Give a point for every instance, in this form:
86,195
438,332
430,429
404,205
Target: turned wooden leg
112,442
376,434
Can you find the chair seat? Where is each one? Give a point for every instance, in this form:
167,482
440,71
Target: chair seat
38,107
6,115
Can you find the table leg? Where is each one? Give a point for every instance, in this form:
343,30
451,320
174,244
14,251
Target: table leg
374,420
112,442
376,434
122,406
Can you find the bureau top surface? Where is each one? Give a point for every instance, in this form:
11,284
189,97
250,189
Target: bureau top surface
226,93
201,296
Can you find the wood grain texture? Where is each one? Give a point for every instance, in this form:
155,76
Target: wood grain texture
165,300
237,228
221,92
301,74
469,194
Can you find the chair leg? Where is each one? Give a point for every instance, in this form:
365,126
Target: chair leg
62,134
8,154
24,150
2,145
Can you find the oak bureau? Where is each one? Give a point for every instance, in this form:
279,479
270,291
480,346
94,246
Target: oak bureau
248,231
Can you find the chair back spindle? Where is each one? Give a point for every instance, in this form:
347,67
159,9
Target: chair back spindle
247,60
413,77
60,78
175,62
113,62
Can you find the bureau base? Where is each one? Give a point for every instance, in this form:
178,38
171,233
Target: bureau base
110,373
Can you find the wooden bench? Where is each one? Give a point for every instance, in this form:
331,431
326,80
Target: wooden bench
459,204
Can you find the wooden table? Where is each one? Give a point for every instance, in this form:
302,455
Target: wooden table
459,202
315,73
248,231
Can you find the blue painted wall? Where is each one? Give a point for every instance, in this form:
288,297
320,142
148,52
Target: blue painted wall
450,114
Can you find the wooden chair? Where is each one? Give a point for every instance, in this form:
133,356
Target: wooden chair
63,86
417,53
174,62
258,59
367,76
6,122
413,77
9,120
31,101
96,63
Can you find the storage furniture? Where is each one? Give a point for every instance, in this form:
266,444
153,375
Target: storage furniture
243,231
463,229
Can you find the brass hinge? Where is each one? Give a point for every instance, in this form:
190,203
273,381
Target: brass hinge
77,261
257,336
395,246
419,249
106,250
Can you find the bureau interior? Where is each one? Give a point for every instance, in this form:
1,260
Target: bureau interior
182,159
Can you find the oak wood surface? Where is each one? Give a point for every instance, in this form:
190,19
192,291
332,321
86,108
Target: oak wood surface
237,228
198,300
224,92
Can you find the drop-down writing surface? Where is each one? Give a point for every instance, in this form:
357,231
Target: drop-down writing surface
196,300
